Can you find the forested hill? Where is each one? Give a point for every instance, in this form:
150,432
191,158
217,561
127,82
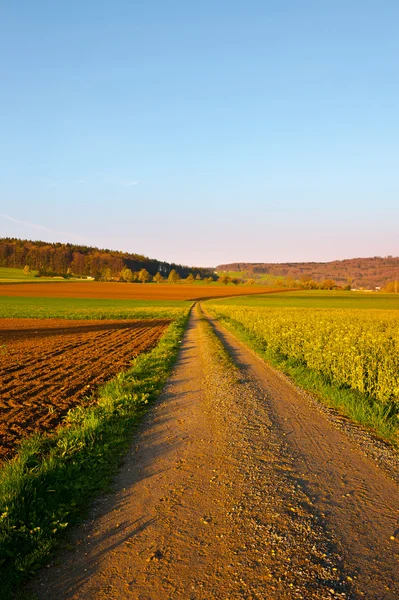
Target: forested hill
82,260
358,272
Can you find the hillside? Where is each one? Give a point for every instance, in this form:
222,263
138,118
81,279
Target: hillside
82,260
358,272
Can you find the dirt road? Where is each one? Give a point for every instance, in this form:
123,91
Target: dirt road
237,487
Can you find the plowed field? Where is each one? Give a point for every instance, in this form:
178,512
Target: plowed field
48,366
123,291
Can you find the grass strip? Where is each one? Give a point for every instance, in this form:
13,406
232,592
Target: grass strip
215,346
381,417
51,481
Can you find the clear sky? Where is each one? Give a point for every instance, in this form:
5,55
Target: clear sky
202,132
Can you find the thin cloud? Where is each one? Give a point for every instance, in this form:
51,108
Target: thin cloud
129,182
41,228
61,180
124,182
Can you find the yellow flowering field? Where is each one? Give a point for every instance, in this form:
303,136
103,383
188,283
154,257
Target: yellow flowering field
359,348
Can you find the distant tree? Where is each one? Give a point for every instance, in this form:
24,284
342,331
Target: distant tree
198,277
126,275
309,284
392,287
157,277
290,282
224,279
106,274
26,270
235,280
190,278
328,284
250,282
144,276
208,280
173,276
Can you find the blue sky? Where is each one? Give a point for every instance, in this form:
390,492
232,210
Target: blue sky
202,133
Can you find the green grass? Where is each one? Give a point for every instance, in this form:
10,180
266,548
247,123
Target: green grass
317,299
239,274
88,308
381,417
7,274
259,278
50,483
215,346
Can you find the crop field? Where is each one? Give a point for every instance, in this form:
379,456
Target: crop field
49,366
354,347
86,308
128,291
317,299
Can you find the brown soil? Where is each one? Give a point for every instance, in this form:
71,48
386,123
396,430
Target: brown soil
126,291
237,488
49,366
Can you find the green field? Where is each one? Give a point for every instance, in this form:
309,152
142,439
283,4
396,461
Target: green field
239,274
316,299
89,308
259,278
14,275
8,275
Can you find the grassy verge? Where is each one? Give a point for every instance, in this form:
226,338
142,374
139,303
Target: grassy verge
381,418
50,483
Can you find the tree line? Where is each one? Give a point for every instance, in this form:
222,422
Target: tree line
85,261
143,276
305,283
357,272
